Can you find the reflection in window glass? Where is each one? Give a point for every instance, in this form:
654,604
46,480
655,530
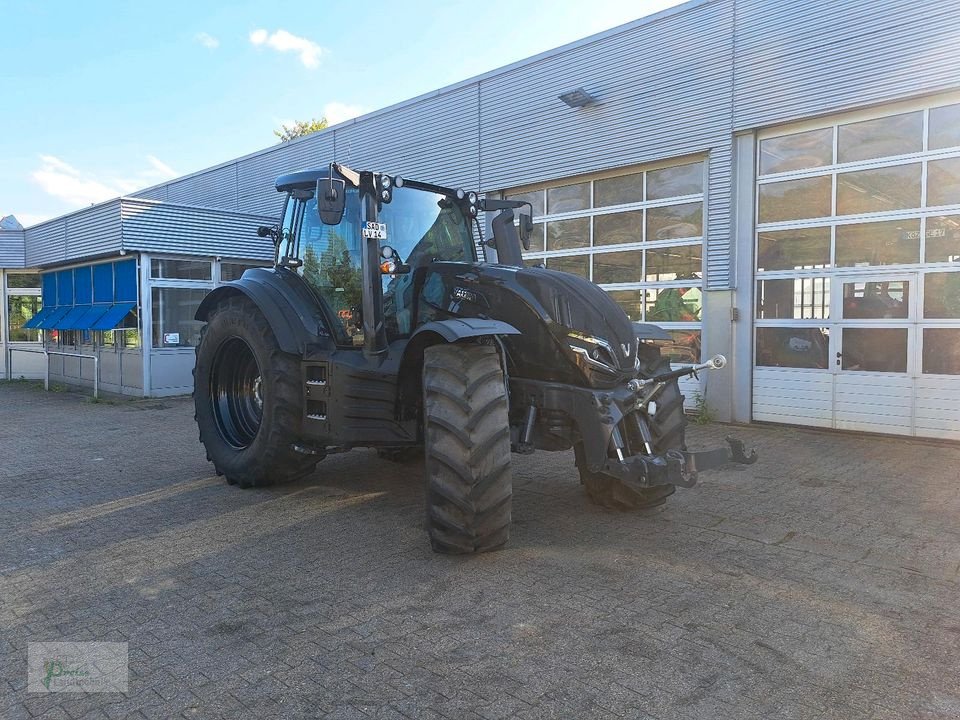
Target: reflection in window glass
568,234
674,304
618,228
23,280
795,347
793,299
575,264
568,198
798,249
618,190
796,152
941,351
941,295
130,338
944,127
535,198
20,308
631,301
173,317
876,300
874,349
943,239
882,137
943,182
618,267
880,243
673,222
683,348
180,269
674,181
684,262
794,199
878,190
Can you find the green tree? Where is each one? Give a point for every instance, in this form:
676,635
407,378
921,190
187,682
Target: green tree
286,133
311,267
342,274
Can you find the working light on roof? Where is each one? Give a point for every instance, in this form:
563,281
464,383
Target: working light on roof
578,98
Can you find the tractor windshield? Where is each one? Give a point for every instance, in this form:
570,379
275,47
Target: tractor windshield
421,226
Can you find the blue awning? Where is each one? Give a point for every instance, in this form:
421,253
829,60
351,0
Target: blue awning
113,317
71,321
56,314
35,321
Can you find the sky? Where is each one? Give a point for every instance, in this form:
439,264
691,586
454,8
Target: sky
104,98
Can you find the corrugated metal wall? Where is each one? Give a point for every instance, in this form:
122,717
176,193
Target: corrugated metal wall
156,227
93,231
11,249
798,59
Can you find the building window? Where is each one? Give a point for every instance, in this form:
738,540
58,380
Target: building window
234,270
173,316
164,269
23,301
638,234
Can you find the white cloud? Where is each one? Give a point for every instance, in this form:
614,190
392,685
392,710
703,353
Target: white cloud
338,112
77,188
207,40
283,41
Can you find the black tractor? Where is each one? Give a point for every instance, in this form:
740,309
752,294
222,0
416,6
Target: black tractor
380,327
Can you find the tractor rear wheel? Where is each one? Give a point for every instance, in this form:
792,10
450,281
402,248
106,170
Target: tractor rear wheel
467,449
246,398
668,427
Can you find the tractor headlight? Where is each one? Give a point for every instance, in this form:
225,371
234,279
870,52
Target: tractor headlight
596,351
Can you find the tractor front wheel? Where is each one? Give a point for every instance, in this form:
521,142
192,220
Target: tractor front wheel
467,448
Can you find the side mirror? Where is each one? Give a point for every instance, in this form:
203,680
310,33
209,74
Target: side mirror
331,200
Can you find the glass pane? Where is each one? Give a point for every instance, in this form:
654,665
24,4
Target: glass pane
877,299
880,243
20,308
799,249
618,190
944,127
674,304
796,347
674,181
536,238
130,338
626,227
173,321
943,239
675,221
675,263
796,152
234,271
894,135
23,280
943,182
941,351
683,348
534,197
568,234
879,190
568,198
618,267
794,199
631,301
575,264
941,295
874,349
180,269
793,299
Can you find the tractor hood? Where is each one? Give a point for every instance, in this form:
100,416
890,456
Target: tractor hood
586,320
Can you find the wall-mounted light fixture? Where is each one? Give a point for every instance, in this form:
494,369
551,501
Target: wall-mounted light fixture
578,98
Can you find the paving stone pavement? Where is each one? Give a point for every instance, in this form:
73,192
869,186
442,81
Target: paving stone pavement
821,582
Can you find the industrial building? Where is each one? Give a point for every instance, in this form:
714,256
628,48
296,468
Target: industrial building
779,182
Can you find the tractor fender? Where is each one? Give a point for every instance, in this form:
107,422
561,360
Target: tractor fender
292,313
440,331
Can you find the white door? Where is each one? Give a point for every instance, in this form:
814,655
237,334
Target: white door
873,343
